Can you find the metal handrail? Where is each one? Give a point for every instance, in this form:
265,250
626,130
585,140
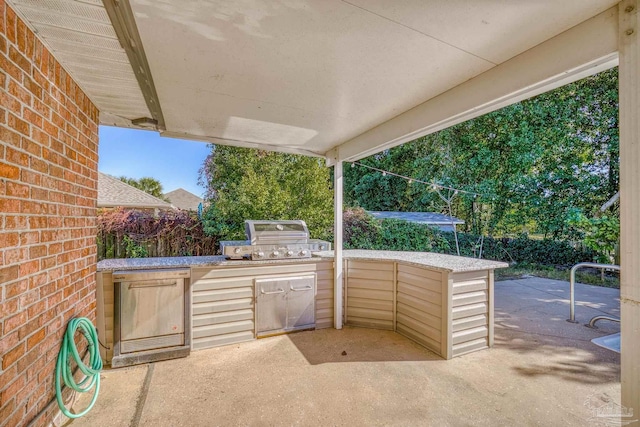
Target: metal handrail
592,322
572,282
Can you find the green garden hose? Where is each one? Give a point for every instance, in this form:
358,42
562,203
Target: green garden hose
91,373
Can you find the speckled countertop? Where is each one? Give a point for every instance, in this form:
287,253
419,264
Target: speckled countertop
442,262
187,261
436,261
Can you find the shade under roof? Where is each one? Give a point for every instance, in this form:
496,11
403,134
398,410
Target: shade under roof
297,76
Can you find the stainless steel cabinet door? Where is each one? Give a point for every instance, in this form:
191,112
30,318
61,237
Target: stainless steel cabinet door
301,302
151,308
271,305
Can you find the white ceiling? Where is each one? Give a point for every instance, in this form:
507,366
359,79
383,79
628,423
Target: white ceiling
290,75
81,37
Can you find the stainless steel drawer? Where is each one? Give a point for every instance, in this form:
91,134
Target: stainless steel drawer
285,304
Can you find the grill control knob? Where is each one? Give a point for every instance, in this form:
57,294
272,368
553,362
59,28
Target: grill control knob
260,254
237,250
303,252
322,247
289,253
275,253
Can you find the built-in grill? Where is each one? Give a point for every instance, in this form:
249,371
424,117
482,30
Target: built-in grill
274,240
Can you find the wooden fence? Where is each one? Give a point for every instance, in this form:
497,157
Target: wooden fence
111,245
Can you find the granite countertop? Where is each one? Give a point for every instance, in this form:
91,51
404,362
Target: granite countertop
442,262
186,262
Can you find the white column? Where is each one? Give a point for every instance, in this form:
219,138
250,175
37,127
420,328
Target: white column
629,89
337,242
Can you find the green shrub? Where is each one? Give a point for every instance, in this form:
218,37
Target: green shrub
362,231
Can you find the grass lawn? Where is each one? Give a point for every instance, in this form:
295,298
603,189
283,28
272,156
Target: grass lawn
587,276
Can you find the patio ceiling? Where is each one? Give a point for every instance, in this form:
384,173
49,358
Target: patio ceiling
315,76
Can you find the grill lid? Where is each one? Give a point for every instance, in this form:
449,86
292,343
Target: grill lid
265,232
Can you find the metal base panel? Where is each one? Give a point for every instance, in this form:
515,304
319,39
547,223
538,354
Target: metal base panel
149,356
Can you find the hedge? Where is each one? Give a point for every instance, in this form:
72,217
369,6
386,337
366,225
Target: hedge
362,231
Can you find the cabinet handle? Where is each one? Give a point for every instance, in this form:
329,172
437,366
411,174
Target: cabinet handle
306,288
151,283
279,291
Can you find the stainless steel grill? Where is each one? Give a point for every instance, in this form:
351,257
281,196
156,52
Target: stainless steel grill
274,240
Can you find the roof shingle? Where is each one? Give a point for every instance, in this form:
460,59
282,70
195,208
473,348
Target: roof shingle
114,193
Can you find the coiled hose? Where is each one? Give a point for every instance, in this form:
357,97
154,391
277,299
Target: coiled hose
91,373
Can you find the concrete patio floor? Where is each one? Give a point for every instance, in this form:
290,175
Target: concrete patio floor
543,370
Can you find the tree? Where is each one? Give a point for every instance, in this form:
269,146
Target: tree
246,184
147,184
529,163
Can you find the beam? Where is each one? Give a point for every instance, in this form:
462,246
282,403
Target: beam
124,24
629,106
583,50
337,243
239,143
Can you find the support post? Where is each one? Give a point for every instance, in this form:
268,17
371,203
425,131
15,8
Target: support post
629,90
337,243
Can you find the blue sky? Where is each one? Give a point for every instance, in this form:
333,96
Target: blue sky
138,153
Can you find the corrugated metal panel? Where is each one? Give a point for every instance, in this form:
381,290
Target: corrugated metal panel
470,312
324,295
469,322
370,294
109,318
220,340
82,38
223,300
419,305
221,307
108,309
469,346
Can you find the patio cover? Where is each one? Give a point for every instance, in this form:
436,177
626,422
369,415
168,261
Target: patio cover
346,79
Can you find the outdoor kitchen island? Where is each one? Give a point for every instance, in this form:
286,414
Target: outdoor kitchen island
442,302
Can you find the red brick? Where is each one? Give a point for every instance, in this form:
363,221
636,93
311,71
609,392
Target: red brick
35,338
16,417
17,288
39,165
32,86
13,388
38,280
26,391
40,137
30,177
17,190
10,103
16,157
36,366
8,274
11,24
28,298
29,327
19,59
8,307
32,117
9,239
19,125
29,237
19,92
30,44
29,207
10,68
37,251
11,357
16,255
9,172
7,408
21,30
30,267
36,309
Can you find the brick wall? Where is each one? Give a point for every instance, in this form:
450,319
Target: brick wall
48,191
